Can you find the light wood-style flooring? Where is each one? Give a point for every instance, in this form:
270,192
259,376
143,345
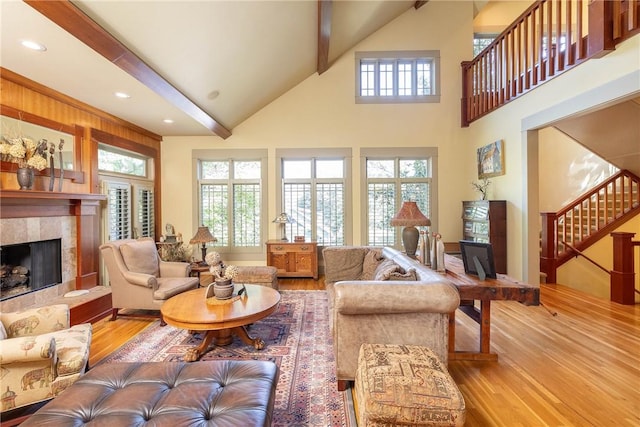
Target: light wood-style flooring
580,367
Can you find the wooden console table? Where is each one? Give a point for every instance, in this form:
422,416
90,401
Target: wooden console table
472,289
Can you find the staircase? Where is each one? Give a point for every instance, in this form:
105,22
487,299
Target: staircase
587,219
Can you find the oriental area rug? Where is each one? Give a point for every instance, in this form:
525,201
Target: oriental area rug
297,339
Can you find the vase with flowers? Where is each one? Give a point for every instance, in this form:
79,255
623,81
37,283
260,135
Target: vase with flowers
223,276
27,154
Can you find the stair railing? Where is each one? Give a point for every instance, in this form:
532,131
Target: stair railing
549,38
587,219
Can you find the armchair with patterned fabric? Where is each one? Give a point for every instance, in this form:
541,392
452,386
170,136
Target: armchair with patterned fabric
139,279
40,354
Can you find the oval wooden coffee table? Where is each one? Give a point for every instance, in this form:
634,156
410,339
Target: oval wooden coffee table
222,320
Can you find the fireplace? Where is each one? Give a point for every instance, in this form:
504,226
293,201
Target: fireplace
28,267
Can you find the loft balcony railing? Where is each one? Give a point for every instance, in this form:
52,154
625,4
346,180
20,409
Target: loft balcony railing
587,219
548,39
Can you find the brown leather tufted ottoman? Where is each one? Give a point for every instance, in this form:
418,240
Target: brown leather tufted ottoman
405,385
220,392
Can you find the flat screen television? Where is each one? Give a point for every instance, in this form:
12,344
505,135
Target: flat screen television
477,258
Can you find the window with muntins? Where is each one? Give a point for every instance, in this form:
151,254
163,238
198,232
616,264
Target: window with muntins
390,180
230,195
397,77
314,194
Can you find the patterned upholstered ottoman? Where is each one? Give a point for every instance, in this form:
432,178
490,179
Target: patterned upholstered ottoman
260,275
405,385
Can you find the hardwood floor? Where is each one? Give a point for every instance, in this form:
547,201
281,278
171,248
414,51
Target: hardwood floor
580,367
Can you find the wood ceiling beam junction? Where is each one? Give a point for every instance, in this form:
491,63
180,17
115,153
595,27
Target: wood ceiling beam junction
324,34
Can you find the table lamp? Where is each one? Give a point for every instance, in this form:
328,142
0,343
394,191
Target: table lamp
204,236
409,216
283,219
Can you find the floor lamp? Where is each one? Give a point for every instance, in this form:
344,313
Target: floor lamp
408,217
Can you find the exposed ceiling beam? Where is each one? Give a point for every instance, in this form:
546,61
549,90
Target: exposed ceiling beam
419,4
66,15
324,34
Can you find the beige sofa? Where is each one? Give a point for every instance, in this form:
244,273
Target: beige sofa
410,305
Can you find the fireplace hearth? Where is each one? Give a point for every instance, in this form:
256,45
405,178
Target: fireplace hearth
28,267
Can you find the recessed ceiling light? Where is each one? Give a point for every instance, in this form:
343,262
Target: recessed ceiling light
213,94
168,121
33,45
122,95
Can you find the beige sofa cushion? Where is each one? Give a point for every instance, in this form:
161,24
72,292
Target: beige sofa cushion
140,257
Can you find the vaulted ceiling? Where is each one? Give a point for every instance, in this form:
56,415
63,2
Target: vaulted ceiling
206,65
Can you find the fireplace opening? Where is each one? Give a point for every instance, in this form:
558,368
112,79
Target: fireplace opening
28,267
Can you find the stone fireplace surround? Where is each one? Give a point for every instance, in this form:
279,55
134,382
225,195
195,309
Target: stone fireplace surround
73,218
21,230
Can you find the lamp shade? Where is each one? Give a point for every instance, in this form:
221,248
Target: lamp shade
409,214
283,218
203,235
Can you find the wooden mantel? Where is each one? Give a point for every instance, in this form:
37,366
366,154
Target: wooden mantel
83,206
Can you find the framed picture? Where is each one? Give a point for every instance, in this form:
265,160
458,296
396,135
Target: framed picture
477,258
491,160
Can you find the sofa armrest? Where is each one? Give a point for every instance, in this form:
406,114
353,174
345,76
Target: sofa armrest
174,269
28,349
141,279
383,297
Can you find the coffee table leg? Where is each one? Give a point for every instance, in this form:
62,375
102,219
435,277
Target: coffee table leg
257,343
194,353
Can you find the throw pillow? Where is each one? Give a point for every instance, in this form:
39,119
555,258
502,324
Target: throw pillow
141,257
409,275
371,262
386,267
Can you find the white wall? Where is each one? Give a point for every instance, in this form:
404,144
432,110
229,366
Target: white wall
592,83
567,169
321,112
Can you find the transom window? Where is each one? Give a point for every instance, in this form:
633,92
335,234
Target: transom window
390,180
111,159
397,77
314,194
231,200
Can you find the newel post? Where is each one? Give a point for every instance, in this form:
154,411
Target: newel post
467,89
548,246
601,37
623,275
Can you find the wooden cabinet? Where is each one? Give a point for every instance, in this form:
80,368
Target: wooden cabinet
486,221
293,259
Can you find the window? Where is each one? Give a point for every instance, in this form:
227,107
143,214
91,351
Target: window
481,41
111,159
231,193
118,210
391,179
397,77
130,210
314,194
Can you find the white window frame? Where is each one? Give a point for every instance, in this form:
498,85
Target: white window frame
343,154
394,59
399,154
238,252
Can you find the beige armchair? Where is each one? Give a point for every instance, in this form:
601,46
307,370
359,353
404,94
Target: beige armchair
139,278
40,354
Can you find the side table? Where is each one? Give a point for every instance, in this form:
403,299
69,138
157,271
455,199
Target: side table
197,269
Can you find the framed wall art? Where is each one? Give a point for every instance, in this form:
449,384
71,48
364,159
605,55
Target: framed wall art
491,160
